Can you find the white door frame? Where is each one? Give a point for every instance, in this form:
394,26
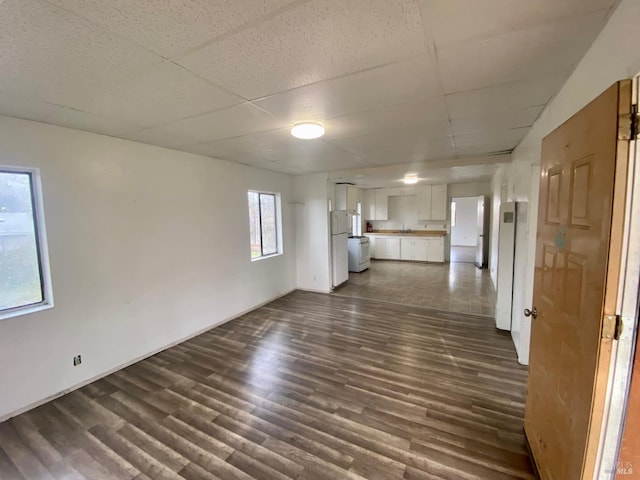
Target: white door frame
622,354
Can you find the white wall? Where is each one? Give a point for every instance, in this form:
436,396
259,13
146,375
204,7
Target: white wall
311,194
147,246
465,232
473,189
612,57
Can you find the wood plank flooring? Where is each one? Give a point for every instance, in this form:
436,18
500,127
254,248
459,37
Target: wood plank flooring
310,386
454,287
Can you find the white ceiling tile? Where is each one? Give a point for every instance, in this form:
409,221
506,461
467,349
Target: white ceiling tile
260,143
229,122
395,144
313,156
507,119
68,117
15,106
168,27
251,160
456,21
309,43
164,93
429,115
534,91
414,79
158,136
490,141
52,55
409,158
550,48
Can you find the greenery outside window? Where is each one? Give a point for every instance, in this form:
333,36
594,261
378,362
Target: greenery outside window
25,284
264,222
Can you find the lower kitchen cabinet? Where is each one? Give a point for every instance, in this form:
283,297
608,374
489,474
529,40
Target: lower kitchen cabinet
435,249
387,248
412,248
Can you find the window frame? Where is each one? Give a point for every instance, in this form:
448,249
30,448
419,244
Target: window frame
42,248
277,225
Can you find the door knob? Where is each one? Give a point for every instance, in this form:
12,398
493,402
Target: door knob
531,313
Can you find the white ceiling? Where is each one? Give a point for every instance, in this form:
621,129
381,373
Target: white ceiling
395,82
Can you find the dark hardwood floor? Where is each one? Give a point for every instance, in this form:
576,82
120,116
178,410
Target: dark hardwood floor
310,386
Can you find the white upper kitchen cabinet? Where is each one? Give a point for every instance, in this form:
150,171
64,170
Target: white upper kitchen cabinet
346,197
369,207
438,202
382,209
375,207
432,202
401,191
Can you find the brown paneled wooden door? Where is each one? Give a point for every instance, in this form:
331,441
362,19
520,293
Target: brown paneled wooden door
579,240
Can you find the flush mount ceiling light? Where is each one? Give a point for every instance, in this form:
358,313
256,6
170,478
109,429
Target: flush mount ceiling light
307,130
410,179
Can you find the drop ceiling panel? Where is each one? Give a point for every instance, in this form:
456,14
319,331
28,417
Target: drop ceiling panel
534,91
313,156
395,143
14,106
159,136
68,117
516,55
164,93
229,122
260,143
49,54
392,80
168,27
494,17
488,141
489,121
401,158
367,90
429,115
309,43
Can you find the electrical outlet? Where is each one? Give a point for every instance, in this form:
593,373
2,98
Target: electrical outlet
77,360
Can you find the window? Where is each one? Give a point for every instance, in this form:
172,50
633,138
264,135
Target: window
25,284
453,214
265,228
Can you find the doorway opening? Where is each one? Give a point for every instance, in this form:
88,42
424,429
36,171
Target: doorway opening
468,226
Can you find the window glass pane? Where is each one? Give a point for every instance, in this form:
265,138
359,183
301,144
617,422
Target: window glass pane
254,224
269,234
20,282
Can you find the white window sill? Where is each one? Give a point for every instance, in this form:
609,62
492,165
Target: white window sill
265,257
18,311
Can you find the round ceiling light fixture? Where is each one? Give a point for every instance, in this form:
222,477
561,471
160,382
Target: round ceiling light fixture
307,130
410,179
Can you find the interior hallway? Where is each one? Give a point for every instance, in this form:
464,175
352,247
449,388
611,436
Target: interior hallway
310,386
454,287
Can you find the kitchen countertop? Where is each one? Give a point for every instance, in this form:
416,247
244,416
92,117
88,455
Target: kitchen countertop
413,233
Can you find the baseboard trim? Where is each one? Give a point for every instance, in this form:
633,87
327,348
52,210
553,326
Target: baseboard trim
33,405
312,290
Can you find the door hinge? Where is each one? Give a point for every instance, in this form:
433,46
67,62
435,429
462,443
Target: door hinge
611,327
628,124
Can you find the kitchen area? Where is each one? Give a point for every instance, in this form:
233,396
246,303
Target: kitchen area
393,244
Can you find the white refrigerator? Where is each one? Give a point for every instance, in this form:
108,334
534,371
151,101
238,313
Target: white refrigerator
339,246
506,255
